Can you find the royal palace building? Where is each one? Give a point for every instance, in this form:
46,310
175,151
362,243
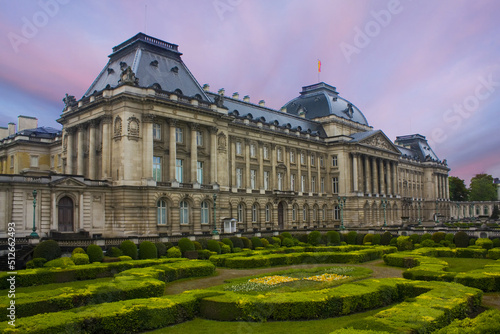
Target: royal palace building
147,151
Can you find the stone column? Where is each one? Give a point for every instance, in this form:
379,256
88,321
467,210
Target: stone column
261,165
381,177
147,145
92,162
286,176
447,188
355,172
274,179
172,148
375,176
368,184
436,185
308,161
69,152
194,151
106,152
80,151
213,155
388,173
233,162
299,172
247,164
319,172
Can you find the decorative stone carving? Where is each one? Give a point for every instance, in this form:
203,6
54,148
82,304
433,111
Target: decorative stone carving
133,126
378,141
127,77
222,141
118,126
69,101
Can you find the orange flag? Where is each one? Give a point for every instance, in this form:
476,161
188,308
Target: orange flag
319,65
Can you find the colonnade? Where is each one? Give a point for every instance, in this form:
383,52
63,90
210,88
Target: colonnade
374,176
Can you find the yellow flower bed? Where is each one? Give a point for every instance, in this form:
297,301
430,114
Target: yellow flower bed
326,278
274,280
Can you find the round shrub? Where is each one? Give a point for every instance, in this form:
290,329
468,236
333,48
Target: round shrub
185,245
351,238
174,252
147,250
332,238
461,239
95,253
404,243
161,249
168,245
286,235
415,238
264,241
79,258
438,236
224,249
128,248
256,242
496,242
472,241
213,246
246,242
114,252
449,237
314,238
485,243
368,238
125,258
359,238
425,236
60,263
385,239
394,241
78,250
228,242
428,243
237,242
37,262
376,239
197,245
288,242
48,249
276,241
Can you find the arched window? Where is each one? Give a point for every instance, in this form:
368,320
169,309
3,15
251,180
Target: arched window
323,213
304,213
205,214
485,210
295,208
240,213
268,213
254,213
336,212
315,213
184,212
161,212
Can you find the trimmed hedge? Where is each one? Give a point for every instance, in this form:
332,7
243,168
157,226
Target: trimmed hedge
486,322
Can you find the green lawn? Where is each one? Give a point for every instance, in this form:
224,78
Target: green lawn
460,265
322,326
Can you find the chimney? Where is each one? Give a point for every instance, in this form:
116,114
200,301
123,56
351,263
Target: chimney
206,87
4,132
12,128
222,91
246,98
236,95
262,103
26,122
283,109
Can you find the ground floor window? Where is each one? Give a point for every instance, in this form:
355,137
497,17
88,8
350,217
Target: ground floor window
161,214
184,213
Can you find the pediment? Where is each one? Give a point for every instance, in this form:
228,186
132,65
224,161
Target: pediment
68,182
380,141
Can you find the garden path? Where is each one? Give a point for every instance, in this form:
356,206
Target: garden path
379,271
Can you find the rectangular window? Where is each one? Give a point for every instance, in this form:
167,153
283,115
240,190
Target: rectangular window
292,182
335,185
34,161
199,172
266,180
11,161
238,148
199,138
302,183
313,158
156,131
205,217
239,177
280,181
252,150
59,160
322,185
321,162
178,136
279,156
334,161
313,184
253,177
157,168
179,173
302,159
52,161
266,152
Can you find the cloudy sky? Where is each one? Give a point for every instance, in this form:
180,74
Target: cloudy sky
428,67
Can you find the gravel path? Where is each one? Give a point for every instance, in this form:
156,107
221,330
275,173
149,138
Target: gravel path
378,267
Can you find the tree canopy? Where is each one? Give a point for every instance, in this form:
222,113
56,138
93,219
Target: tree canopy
458,190
482,188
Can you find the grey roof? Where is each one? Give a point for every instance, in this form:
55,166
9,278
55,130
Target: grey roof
416,146
360,136
320,100
242,109
40,132
154,62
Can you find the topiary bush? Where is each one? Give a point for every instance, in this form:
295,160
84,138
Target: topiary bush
332,238
246,242
368,238
125,258
228,242
425,236
496,243
404,243
385,239
168,245
472,241
314,238
256,242
197,245
288,242
213,246
128,248
449,237
161,249
237,242
185,245
461,239
37,262
376,239
415,238
114,252
359,238
174,252
485,243
438,236
224,249
276,241
286,235
351,238
264,241
394,242
147,250
61,262
95,253
428,243
79,258
48,250
78,250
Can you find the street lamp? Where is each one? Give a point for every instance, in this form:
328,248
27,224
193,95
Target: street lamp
34,234
384,205
342,204
215,232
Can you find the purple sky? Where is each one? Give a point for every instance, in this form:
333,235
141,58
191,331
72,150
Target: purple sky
428,67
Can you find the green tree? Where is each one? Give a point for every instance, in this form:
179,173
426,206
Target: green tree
482,188
458,190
